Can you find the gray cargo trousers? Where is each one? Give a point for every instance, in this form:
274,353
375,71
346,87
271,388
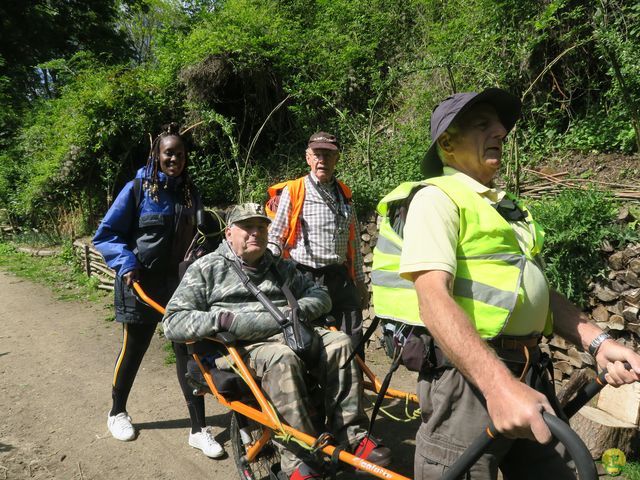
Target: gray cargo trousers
454,414
284,380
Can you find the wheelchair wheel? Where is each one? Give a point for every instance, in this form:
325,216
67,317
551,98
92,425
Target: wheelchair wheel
266,465
388,345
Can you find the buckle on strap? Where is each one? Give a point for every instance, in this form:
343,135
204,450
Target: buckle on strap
514,343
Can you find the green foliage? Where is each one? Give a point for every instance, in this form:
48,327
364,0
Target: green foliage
84,142
576,223
631,471
144,23
369,71
601,132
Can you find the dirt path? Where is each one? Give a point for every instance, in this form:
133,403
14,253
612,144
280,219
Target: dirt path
55,368
55,372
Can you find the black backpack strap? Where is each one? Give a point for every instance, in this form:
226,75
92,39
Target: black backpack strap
197,200
365,338
398,211
509,209
137,191
395,363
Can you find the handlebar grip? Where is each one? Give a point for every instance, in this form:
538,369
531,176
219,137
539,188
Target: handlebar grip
560,430
146,299
587,392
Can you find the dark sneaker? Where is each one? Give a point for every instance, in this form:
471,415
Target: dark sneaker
372,450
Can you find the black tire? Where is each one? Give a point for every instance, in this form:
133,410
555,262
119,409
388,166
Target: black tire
387,341
266,465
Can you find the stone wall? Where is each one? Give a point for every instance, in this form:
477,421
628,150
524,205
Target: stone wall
368,237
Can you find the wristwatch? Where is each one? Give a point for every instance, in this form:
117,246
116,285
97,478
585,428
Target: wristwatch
594,346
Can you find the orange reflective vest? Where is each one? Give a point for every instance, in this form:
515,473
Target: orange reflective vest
296,192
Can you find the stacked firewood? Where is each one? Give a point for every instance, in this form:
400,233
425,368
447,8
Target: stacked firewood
7,229
615,307
368,237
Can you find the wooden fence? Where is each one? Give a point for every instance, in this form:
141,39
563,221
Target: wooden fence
93,263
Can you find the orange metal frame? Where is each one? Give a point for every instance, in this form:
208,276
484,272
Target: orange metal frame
269,418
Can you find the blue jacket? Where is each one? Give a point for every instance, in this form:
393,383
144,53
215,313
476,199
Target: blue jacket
152,237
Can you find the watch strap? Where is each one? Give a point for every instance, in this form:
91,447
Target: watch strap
594,346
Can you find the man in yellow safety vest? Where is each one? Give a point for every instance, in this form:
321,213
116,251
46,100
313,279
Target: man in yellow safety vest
471,251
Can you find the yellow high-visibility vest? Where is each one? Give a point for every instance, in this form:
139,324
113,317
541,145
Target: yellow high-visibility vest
490,261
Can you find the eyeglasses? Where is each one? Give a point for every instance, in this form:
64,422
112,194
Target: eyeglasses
331,154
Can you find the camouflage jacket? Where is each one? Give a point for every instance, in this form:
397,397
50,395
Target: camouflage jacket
211,286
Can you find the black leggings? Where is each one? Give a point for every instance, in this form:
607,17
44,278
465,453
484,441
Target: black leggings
136,340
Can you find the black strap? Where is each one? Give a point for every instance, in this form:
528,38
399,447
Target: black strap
385,385
137,191
329,200
365,338
509,210
333,204
284,286
335,461
259,294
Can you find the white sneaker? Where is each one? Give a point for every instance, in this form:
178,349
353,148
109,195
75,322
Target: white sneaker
204,441
120,426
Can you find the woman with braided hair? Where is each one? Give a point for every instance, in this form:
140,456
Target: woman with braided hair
143,237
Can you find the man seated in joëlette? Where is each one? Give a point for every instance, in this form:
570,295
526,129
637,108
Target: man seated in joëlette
211,298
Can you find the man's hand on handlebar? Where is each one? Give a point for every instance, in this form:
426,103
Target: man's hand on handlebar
613,356
516,411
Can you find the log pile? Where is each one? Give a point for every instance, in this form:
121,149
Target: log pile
541,184
368,238
7,228
614,306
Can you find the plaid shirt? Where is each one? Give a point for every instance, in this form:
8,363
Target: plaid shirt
322,235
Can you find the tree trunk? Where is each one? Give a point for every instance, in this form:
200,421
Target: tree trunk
601,431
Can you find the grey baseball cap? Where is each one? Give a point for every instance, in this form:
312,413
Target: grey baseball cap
507,107
245,211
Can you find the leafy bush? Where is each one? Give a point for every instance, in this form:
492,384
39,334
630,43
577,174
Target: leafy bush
576,223
77,149
371,72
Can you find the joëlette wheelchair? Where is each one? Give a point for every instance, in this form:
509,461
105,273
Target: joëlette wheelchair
255,425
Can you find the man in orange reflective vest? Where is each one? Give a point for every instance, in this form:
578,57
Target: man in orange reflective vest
316,225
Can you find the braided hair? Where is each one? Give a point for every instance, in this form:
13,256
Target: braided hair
152,180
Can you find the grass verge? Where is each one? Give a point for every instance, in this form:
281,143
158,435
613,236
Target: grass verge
631,471
58,272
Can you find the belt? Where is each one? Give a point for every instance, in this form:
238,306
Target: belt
514,343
